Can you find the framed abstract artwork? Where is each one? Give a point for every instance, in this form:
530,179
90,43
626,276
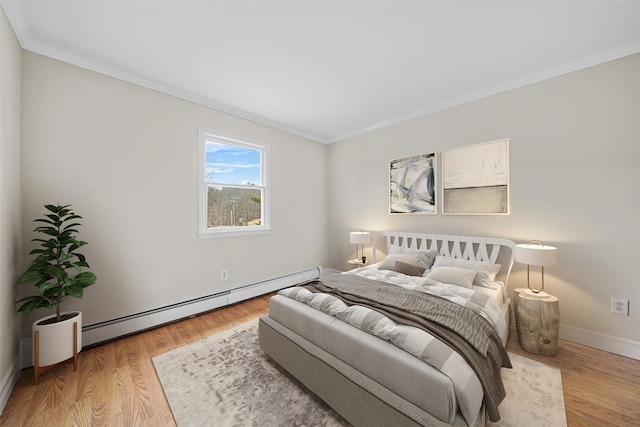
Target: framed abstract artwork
475,179
412,185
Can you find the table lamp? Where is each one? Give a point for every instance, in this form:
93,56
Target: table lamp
535,253
359,238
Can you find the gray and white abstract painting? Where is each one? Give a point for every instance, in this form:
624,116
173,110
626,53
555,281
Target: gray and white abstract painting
475,179
413,185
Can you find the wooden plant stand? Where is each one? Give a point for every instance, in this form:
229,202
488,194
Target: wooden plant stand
39,370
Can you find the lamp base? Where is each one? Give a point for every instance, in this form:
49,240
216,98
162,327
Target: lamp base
540,294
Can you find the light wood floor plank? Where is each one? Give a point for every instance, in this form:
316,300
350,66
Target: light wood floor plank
116,383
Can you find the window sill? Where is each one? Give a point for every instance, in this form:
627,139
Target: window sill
233,232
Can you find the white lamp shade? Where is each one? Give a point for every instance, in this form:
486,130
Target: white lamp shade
359,237
534,254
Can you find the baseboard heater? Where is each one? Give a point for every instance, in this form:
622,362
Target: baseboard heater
100,332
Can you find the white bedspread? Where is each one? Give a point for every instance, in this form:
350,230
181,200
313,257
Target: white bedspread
489,309
413,340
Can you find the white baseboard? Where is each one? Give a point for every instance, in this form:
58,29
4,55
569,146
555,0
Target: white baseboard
111,329
610,343
251,291
9,380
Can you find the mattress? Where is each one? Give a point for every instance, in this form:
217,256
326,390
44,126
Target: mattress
404,375
359,399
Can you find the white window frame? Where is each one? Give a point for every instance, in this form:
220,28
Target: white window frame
205,232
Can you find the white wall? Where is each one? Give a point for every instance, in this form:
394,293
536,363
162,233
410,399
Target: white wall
575,184
126,158
10,212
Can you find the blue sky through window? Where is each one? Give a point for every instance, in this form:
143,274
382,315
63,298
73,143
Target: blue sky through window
232,164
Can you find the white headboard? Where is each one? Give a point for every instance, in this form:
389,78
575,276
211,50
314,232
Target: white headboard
488,249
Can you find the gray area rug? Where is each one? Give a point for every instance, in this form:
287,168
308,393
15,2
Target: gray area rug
226,380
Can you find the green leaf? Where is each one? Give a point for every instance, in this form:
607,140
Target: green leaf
51,243
74,290
31,304
68,226
85,278
58,273
30,276
47,230
53,208
52,293
64,212
77,244
46,221
48,287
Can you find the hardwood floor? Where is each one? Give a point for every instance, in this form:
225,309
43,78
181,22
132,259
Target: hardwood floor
116,384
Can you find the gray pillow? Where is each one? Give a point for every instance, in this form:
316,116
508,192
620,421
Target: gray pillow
389,262
427,256
409,269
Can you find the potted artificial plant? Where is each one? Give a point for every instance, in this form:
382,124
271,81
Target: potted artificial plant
56,273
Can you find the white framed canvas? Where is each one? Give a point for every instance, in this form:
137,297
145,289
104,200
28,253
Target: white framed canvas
412,185
475,179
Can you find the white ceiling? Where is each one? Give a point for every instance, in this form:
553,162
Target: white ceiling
329,70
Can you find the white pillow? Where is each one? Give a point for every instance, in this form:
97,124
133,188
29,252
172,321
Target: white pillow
486,271
427,257
453,275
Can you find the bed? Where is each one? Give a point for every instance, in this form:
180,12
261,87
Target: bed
379,363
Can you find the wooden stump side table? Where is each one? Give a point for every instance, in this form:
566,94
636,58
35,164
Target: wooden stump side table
537,322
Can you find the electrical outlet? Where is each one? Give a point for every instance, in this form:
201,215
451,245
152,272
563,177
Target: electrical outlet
224,275
620,306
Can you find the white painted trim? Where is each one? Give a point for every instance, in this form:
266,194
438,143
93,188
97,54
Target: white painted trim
234,232
265,167
151,84
9,380
116,328
21,30
570,67
251,291
17,20
610,343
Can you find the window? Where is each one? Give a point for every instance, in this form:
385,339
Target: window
234,196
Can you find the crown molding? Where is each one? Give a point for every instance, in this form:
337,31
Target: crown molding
24,36
583,63
20,27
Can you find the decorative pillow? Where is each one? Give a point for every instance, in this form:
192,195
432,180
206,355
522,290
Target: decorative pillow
427,257
409,269
486,271
453,275
389,262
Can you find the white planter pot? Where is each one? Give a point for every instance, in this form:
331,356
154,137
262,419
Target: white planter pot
55,340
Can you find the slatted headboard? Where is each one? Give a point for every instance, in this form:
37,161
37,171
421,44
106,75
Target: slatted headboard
488,249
